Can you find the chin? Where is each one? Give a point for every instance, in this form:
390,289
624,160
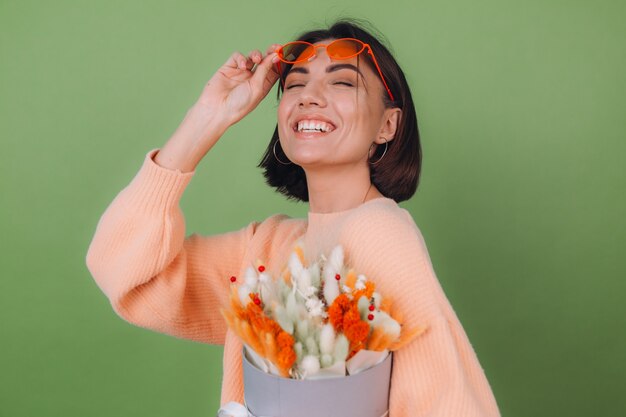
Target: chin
308,159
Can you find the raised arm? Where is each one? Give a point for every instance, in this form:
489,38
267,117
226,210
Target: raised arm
235,89
139,256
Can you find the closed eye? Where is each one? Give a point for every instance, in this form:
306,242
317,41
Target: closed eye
345,83
293,85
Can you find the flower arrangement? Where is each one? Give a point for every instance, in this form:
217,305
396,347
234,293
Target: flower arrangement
314,321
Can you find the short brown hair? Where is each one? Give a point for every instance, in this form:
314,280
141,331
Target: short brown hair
397,175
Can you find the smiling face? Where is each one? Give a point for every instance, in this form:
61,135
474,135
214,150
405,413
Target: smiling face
323,120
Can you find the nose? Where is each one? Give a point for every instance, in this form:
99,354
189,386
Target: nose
312,94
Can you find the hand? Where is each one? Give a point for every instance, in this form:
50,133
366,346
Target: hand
239,85
234,91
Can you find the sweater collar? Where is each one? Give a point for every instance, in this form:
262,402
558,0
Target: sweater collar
325,217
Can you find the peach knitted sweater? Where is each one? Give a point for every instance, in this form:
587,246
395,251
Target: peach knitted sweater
157,278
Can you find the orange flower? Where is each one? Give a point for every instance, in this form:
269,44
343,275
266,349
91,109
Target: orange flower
350,279
260,332
368,291
344,315
286,354
285,340
337,310
286,359
357,332
352,316
355,329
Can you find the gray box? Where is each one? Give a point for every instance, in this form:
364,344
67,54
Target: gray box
365,394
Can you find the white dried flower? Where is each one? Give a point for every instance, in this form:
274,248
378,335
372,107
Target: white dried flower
335,260
342,347
297,347
315,307
302,329
244,294
331,289
291,307
250,278
360,282
377,299
311,346
310,292
268,289
326,360
327,339
310,365
283,319
363,306
303,281
332,267
295,266
314,272
388,324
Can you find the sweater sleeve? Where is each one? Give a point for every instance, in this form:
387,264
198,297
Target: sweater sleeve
437,374
153,276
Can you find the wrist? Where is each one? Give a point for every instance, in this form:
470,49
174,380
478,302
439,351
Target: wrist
194,137
205,122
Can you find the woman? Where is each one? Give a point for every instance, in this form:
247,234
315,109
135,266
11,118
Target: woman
347,142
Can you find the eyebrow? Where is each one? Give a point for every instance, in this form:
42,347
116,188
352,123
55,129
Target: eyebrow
330,68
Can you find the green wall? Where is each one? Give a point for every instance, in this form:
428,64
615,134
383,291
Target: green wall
521,108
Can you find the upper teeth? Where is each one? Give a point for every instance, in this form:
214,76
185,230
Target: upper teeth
314,126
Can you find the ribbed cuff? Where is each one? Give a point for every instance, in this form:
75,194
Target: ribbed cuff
156,187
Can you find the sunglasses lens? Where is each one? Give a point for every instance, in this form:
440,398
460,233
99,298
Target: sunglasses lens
344,48
296,51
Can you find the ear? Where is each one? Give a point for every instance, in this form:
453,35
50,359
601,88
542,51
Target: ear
389,124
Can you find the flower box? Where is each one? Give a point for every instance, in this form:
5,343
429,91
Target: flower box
365,394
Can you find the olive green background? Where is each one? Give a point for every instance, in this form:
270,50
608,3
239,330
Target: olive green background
521,109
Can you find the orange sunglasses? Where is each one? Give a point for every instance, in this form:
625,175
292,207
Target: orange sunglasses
344,48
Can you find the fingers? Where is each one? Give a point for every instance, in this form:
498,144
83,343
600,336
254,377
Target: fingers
260,71
255,57
240,61
265,74
271,52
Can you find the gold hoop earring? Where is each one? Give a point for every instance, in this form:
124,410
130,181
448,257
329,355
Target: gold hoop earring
275,156
383,155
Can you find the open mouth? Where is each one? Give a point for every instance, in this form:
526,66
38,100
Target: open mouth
313,126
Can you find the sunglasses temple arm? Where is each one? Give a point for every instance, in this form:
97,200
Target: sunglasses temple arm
280,74
369,49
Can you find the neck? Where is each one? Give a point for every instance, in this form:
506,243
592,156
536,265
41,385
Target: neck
339,189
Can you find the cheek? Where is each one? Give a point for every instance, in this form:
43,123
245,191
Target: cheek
282,114
364,113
